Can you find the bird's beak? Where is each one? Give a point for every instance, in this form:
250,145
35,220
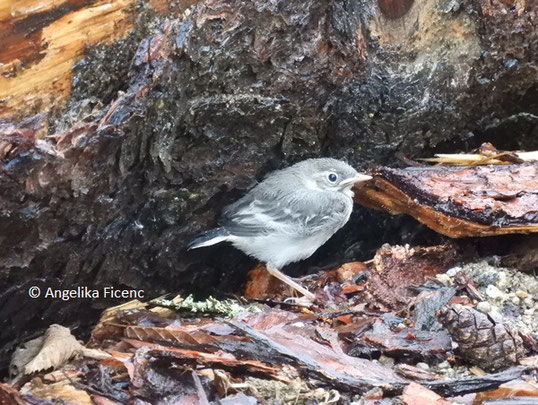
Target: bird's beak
359,178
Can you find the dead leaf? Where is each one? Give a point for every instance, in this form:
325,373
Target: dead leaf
99,400
110,313
23,354
531,361
59,345
62,375
174,334
52,350
220,359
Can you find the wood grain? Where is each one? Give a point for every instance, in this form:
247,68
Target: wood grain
41,41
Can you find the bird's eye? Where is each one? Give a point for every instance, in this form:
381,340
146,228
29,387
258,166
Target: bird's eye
332,177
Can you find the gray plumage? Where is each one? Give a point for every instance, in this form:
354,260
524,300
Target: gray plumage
290,214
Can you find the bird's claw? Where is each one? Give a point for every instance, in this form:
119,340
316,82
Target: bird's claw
303,301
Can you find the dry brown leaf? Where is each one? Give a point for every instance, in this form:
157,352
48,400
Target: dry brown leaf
182,334
59,345
99,400
219,358
52,350
23,354
62,375
531,361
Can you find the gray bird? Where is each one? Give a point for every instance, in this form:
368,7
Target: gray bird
289,215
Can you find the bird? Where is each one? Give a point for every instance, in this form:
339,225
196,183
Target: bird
287,216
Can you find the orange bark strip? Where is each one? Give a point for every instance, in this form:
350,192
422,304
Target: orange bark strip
459,202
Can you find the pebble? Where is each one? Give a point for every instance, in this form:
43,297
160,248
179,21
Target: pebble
444,278
444,365
487,277
483,306
386,361
504,281
494,293
422,366
521,294
453,271
529,302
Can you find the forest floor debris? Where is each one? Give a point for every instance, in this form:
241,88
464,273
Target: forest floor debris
456,332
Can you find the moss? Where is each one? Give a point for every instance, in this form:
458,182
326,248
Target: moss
229,308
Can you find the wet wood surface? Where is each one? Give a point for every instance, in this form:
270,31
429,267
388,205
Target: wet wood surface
41,41
459,201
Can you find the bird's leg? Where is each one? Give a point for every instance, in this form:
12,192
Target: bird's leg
285,279
298,279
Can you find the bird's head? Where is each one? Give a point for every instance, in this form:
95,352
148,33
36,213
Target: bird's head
327,174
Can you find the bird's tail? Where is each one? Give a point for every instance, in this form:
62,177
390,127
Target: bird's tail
208,238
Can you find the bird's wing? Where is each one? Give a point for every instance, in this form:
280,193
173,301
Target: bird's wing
296,212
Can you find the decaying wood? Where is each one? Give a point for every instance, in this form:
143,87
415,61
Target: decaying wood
41,43
348,374
486,154
396,268
184,350
458,202
477,158
463,386
409,343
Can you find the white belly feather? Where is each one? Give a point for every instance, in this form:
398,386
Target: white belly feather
278,249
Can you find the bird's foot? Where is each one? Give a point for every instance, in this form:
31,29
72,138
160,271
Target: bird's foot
303,301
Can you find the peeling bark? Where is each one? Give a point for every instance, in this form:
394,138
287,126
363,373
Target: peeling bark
459,202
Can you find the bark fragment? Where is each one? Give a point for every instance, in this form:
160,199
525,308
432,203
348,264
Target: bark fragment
407,343
458,202
396,268
416,394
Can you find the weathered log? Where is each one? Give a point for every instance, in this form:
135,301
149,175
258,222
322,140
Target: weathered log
457,202
162,128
